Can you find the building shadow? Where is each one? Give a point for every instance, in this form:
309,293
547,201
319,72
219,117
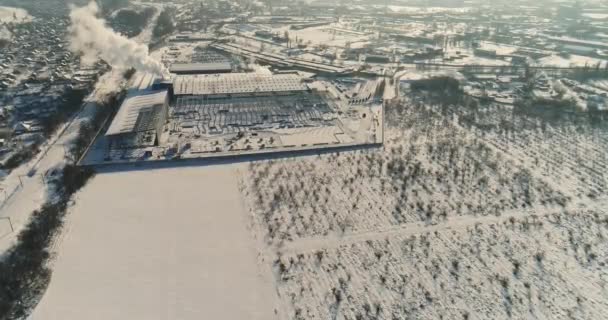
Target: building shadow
225,159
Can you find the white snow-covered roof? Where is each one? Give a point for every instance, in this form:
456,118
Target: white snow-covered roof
126,118
200,67
233,83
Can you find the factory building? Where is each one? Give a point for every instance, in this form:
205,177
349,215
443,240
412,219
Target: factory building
234,85
140,120
201,68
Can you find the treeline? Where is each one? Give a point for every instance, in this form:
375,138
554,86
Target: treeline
4,42
132,22
21,156
71,102
590,72
436,84
88,130
164,24
443,91
111,5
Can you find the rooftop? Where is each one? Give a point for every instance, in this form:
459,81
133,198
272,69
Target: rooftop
143,81
200,67
233,83
135,110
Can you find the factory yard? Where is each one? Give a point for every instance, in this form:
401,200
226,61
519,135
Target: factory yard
179,249
228,115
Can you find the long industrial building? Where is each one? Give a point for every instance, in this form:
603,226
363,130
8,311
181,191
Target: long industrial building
231,85
201,68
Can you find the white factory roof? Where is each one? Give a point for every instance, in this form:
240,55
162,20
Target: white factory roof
200,67
126,117
143,81
233,83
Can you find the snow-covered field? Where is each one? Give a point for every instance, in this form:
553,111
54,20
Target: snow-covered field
333,35
162,244
409,9
462,215
11,15
542,267
14,15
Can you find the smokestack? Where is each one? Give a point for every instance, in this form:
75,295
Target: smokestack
93,39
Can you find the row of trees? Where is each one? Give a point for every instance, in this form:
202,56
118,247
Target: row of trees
111,5
164,24
88,130
436,84
132,22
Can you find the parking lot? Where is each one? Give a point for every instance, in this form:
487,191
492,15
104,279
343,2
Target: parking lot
194,114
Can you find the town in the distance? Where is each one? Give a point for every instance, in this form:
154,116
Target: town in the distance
365,159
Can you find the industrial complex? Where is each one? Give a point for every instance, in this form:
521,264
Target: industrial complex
275,159
197,114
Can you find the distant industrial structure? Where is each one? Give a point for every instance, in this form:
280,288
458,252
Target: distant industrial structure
231,114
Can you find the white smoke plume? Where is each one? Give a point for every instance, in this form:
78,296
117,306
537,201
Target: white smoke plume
91,37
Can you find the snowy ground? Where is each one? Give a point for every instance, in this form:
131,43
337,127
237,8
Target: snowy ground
572,61
408,9
333,35
14,15
167,244
481,214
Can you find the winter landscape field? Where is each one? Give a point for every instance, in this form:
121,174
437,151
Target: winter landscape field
458,217
189,254
8,14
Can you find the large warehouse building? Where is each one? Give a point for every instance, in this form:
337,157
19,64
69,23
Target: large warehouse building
140,120
233,85
201,68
